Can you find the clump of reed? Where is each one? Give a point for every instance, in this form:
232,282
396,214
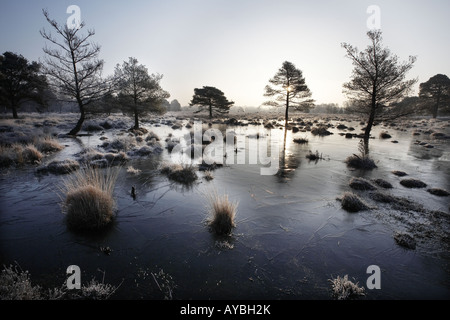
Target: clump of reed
221,214
344,289
88,201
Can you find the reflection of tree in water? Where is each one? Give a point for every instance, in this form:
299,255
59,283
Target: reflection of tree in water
287,164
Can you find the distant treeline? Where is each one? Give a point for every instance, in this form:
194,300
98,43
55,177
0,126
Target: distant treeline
411,105
57,106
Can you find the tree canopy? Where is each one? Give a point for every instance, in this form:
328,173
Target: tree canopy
436,94
377,80
211,99
289,89
139,92
20,81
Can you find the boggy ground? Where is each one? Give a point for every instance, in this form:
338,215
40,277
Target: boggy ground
415,219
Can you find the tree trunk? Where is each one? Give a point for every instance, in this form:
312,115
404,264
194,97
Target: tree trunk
79,124
436,107
370,122
210,111
369,125
14,111
287,111
136,118
77,128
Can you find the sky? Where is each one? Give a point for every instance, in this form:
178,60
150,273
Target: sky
238,45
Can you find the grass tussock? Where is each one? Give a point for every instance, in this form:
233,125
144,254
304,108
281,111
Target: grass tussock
321,131
120,144
439,135
152,136
405,240
398,203
438,192
133,170
18,154
48,145
360,162
344,289
399,173
385,135
352,203
31,154
95,158
383,183
60,167
25,147
361,184
222,214
89,204
413,183
301,140
185,174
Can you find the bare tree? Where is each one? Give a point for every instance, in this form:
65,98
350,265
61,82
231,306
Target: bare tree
73,67
378,80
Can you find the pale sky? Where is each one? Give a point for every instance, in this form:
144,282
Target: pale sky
238,45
